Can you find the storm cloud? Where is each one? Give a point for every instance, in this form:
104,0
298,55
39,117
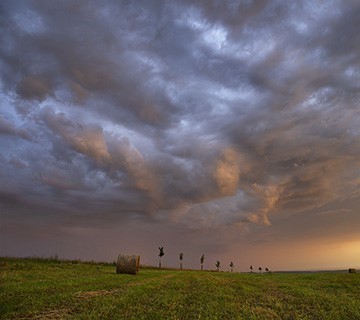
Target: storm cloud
207,114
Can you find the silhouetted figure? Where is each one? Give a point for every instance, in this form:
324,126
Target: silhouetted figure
251,268
202,262
181,257
161,253
231,266
260,269
217,265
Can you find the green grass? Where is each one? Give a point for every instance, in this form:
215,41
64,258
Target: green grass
50,289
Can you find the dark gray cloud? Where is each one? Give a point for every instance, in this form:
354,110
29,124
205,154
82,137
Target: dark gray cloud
209,114
8,129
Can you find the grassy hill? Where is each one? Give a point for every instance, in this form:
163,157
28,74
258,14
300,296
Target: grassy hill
51,289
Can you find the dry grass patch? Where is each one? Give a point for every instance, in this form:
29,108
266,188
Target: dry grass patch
91,294
54,314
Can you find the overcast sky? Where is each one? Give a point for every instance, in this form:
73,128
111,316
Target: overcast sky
224,128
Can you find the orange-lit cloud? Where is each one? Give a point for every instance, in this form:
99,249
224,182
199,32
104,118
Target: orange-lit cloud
227,172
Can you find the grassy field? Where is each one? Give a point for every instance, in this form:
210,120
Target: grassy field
50,289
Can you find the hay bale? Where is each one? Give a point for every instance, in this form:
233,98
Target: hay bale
128,264
352,270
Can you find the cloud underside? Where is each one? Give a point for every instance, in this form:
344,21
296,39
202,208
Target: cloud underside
209,114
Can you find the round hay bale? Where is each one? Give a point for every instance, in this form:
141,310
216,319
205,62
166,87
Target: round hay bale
128,264
352,270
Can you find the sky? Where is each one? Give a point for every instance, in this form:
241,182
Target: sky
224,128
